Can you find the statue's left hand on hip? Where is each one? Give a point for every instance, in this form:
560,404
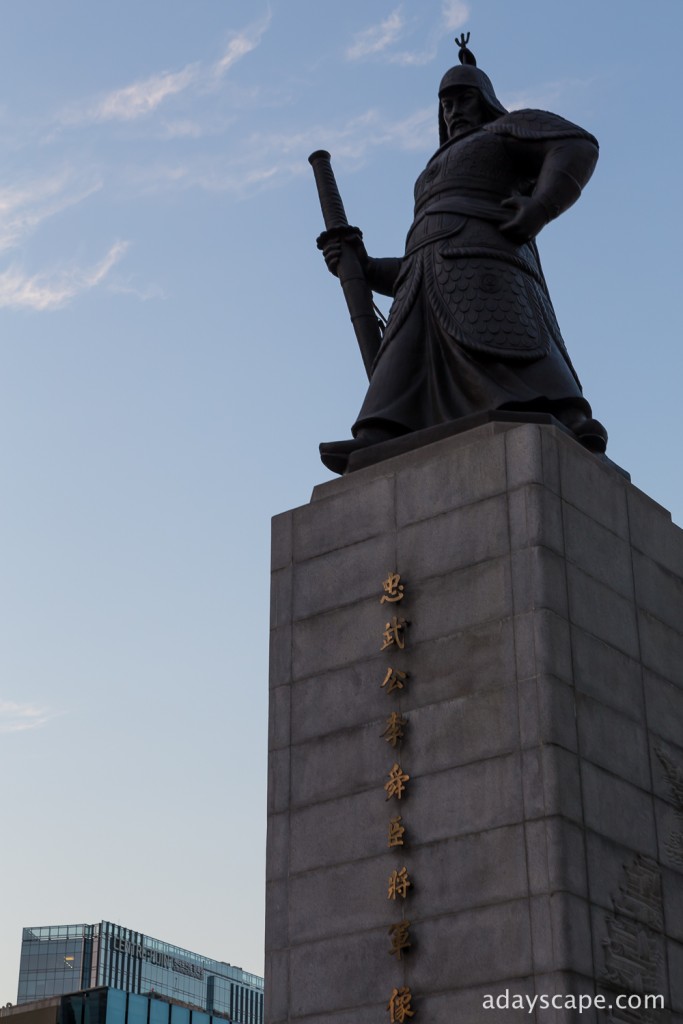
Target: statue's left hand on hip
529,216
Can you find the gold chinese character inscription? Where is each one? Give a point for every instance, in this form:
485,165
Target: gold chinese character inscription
397,782
399,883
399,1005
394,634
394,680
396,832
396,728
400,939
393,589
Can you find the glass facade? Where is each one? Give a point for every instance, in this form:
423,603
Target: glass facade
68,958
112,1006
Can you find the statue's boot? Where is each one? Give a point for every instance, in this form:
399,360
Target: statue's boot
587,431
592,435
335,454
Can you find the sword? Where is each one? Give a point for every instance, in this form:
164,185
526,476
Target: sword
357,291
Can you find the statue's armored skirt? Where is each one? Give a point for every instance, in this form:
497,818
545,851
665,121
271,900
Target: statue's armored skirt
472,326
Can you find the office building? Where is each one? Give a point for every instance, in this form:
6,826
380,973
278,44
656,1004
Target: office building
106,1006
59,959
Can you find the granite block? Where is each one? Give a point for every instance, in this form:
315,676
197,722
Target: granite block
434,484
472,1004
666,760
368,1014
279,718
661,648
599,610
277,846
669,845
552,784
455,951
340,764
592,487
675,965
672,899
542,645
607,674
550,443
538,581
340,699
571,933
556,857
355,514
613,741
561,985
617,810
598,551
535,519
336,638
524,456
547,713
276,985
483,795
342,577
664,707
341,899
351,828
278,780
473,660
449,604
541,926
652,531
607,861
458,874
453,540
281,597
280,656
675,968
277,913
281,541
340,973
455,732
658,591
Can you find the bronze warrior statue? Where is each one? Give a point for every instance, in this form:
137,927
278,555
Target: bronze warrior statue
472,328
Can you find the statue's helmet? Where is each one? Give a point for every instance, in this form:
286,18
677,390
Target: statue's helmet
467,74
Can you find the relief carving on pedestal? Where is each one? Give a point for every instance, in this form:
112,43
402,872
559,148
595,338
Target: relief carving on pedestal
634,949
674,776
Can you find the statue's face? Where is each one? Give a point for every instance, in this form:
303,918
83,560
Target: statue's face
463,108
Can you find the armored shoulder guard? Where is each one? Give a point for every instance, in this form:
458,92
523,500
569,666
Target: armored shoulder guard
536,126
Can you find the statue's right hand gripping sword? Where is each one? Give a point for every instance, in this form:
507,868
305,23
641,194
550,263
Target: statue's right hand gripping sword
357,291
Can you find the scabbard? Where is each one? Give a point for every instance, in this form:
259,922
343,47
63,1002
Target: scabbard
357,291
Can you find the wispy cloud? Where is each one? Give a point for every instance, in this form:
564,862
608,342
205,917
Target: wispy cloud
142,98
24,207
54,289
547,94
130,102
377,38
454,14
241,44
380,39
20,717
267,160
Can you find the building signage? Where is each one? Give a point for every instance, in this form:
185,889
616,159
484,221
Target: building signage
156,957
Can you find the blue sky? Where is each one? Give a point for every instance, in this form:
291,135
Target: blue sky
173,351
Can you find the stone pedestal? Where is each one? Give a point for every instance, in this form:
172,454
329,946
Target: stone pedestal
543,739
